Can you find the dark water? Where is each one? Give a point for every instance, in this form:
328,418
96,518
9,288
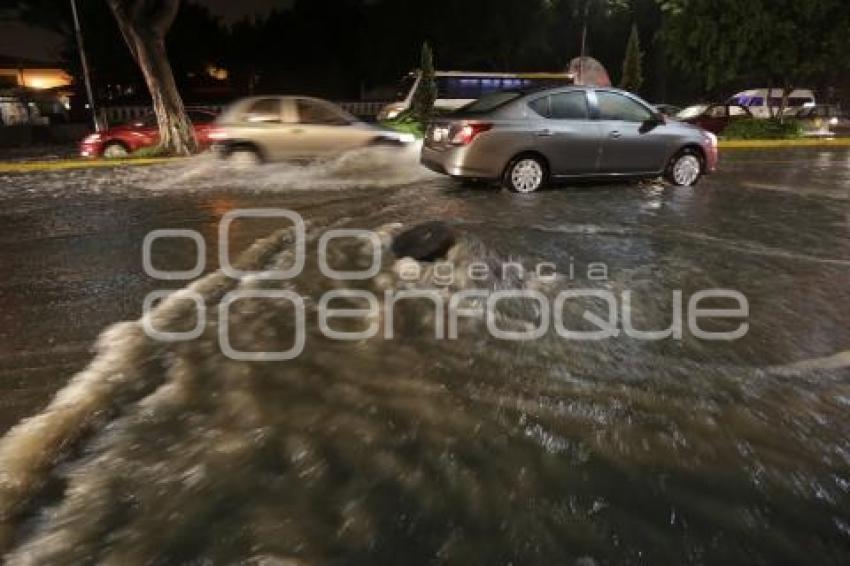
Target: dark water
418,450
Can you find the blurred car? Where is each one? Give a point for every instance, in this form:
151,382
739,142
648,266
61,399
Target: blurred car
273,128
822,120
122,140
668,109
713,117
525,139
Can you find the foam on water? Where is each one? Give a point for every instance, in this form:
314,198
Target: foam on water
367,167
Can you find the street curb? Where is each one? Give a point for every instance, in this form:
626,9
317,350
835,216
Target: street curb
59,165
768,144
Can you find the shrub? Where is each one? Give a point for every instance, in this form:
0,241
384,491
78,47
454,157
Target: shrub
426,93
632,77
407,123
756,129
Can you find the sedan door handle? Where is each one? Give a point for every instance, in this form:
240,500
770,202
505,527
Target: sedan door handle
545,133
615,134
296,131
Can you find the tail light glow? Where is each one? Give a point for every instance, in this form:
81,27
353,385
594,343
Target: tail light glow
463,134
217,134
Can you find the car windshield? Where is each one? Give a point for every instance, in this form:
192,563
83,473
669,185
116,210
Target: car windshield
405,86
490,102
692,111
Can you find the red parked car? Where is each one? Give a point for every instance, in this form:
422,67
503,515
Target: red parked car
123,140
713,117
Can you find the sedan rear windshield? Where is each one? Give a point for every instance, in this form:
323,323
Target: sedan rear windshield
490,102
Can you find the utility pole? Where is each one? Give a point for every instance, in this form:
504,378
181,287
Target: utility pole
86,78
583,43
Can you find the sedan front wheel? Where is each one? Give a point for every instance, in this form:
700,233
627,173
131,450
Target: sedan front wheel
685,169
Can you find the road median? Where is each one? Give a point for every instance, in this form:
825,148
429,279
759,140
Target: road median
62,164
768,144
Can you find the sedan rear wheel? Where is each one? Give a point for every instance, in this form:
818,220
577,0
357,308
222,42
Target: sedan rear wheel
684,169
525,175
115,150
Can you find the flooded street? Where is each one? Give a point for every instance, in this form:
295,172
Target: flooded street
455,451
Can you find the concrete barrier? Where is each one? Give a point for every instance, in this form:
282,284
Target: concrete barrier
121,114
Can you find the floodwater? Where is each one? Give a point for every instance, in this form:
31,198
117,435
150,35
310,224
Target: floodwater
416,449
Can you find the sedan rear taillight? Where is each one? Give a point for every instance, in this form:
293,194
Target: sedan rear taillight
463,134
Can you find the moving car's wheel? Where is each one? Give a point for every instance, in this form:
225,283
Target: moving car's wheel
243,157
684,169
386,142
525,174
115,150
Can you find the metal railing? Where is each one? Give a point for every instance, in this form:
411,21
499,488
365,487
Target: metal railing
121,114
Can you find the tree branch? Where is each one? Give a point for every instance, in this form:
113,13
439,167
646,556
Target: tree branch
162,14
119,10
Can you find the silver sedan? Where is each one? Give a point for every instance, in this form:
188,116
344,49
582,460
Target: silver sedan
526,139
275,128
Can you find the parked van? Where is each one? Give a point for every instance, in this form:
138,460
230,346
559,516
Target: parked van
459,88
759,102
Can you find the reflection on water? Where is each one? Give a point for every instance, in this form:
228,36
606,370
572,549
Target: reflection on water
472,450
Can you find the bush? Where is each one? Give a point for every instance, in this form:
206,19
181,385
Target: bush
756,129
149,152
405,122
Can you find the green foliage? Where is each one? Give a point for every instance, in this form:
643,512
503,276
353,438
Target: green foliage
149,152
756,129
781,43
632,78
426,92
407,123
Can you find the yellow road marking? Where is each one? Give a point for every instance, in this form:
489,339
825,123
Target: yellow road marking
765,144
59,165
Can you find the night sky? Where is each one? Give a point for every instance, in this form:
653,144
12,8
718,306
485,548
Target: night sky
232,10
23,41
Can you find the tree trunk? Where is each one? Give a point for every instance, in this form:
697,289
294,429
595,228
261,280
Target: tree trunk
175,131
144,32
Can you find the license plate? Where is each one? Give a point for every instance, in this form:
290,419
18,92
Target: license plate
439,134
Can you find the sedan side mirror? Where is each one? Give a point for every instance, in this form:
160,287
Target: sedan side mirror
652,122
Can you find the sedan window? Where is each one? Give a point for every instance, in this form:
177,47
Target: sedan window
148,121
266,110
311,112
563,106
614,106
540,106
490,102
568,106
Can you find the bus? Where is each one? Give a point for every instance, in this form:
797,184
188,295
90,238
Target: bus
458,88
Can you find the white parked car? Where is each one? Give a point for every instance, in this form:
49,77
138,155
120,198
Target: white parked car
760,102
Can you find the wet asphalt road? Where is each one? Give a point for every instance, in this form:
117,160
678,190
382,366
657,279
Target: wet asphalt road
774,225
